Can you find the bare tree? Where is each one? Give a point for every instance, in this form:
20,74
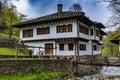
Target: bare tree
114,6
76,7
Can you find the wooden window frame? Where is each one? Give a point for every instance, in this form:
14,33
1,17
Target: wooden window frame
70,28
42,31
97,32
27,33
83,29
70,46
64,28
61,47
95,47
82,47
91,32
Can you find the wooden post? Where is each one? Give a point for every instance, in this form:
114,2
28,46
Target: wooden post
76,49
33,53
91,60
16,49
75,56
16,52
39,53
119,51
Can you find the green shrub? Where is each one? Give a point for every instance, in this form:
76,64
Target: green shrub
30,52
36,70
6,31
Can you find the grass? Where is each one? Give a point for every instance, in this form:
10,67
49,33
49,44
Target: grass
10,51
26,59
6,36
33,76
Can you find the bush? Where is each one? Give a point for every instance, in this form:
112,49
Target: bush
6,31
30,52
36,70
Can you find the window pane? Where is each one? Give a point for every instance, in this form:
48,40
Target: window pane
84,29
91,31
28,33
82,46
94,47
70,46
61,46
41,31
64,28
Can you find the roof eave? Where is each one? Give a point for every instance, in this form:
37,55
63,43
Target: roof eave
85,20
38,22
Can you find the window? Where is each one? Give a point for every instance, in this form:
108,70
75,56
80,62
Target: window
41,31
70,28
61,46
97,33
84,29
94,47
101,37
82,46
64,28
27,33
91,31
58,29
70,46
98,48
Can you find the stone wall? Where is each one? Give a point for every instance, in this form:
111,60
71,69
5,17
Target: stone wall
12,56
9,67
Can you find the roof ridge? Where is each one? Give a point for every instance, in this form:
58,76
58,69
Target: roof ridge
55,16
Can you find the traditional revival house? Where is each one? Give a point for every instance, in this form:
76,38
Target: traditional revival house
63,33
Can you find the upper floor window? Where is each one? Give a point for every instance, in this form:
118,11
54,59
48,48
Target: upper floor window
95,47
101,37
27,33
91,31
97,33
83,47
64,28
84,29
70,46
41,31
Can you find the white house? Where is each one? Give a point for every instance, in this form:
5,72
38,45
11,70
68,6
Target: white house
63,33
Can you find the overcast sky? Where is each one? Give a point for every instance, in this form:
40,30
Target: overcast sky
36,8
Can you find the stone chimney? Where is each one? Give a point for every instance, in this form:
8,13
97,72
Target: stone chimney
59,6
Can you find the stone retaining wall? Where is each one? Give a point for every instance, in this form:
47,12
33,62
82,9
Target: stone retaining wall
9,67
12,56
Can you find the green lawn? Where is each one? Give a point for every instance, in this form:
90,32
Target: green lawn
10,51
33,76
4,35
7,36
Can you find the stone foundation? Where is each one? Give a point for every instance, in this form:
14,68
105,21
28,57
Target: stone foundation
9,67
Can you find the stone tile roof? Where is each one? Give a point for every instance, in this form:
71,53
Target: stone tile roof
98,24
55,16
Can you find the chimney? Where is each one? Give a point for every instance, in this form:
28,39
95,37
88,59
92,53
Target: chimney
59,8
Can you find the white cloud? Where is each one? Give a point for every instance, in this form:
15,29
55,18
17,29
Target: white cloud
24,8
96,12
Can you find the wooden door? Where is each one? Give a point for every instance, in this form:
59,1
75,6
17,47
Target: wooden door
49,48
